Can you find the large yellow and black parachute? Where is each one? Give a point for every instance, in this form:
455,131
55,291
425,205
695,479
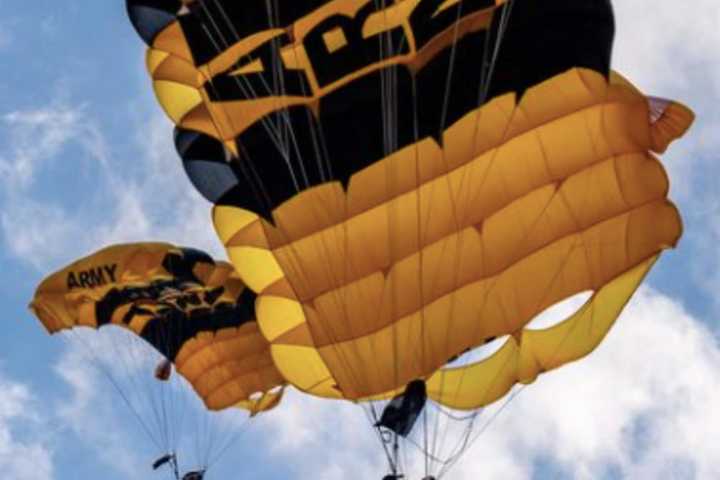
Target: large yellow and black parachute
402,181
194,311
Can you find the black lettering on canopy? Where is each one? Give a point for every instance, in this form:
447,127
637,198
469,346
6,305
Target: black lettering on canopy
274,79
358,52
72,281
212,27
95,277
92,277
110,270
426,24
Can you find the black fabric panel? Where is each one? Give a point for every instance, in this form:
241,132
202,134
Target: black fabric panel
542,40
182,266
169,331
546,38
426,24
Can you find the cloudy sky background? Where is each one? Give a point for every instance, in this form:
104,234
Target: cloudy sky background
86,160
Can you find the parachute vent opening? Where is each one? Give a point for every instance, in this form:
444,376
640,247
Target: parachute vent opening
559,312
488,349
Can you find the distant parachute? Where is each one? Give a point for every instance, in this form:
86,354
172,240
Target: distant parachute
193,311
402,182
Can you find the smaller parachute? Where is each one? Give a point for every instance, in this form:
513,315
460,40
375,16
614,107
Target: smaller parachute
192,310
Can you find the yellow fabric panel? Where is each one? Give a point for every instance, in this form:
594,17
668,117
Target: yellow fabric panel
561,147
261,269
228,221
380,360
673,123
225,366
176,99
307,369
580,334
404,272
282,314
153,58
176,70
479,384
172,40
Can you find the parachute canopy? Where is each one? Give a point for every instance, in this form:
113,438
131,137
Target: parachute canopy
403,181
191,309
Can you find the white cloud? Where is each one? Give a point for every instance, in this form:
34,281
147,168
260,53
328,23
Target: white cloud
36,137
26,457
95,413
138,199
643,403
667,56
158,201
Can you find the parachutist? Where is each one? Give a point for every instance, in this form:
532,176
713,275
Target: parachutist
400,414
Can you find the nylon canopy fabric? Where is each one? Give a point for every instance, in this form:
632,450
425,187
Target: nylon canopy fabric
191,309
571,201
403,181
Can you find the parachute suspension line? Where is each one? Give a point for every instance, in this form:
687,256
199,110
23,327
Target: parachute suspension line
162,394
426,457
105,371
253,178
135,384
247,89
164,400
468,441
437,446
247,166
278,80
421,277
280,145
139,384
274,135
502,28
331,334
231,439
482,430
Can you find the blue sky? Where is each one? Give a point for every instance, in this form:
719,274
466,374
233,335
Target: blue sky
86,160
